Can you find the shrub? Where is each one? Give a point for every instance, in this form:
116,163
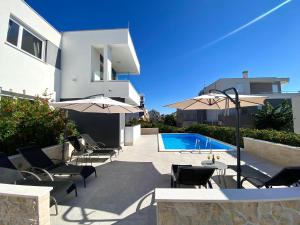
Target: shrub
277,118
227,134
169,120
132,122
25,122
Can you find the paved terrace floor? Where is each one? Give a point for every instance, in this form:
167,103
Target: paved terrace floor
123,192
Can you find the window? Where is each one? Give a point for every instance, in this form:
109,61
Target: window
13,32
32,44
275,88
101,67
113,74
23,39
98,74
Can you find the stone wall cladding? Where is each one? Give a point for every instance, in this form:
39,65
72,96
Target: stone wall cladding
18,210
149,131
231,213
282,155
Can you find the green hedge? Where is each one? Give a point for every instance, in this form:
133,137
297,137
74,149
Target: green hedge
24,122
227,134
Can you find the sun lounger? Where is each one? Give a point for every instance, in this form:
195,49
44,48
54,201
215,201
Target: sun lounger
286,177
40,161
11,175
99,147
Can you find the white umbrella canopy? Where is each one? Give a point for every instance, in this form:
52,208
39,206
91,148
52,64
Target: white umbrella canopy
217,101
97,105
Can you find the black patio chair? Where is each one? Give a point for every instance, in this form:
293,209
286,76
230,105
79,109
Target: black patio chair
11,175
191,175
288,176
41,162
99,147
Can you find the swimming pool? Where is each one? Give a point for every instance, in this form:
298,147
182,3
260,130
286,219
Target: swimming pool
190,142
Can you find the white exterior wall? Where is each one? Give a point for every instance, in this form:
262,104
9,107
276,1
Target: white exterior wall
242,85
296,113
122,129
80,59
19,70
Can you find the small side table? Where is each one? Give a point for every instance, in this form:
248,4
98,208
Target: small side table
220,167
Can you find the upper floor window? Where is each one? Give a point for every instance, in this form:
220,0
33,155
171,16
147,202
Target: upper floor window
25,40
13,32
32,44
275,88
98,75
113,74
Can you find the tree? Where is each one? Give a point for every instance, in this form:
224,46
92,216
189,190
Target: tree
277,118
170,120
154,115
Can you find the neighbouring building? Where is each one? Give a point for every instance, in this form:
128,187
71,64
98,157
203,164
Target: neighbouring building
266,86
36,59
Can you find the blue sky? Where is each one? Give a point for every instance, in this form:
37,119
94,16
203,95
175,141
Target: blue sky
169,37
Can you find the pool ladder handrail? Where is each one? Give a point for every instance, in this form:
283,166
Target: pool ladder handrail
208,140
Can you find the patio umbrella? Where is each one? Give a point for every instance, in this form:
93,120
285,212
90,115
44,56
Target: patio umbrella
95,105
220,99
217,101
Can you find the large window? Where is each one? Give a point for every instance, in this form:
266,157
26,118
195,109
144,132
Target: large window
32,44
13,32
25,40
113,74
98,75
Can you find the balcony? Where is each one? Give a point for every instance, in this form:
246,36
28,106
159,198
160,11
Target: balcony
116,89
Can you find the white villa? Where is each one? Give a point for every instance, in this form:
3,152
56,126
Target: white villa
36,59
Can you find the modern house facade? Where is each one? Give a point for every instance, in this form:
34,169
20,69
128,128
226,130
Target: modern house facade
266,86
36,59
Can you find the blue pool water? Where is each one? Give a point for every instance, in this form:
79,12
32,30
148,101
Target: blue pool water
192,141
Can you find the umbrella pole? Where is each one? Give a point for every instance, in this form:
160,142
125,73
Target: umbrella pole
238,147
236,101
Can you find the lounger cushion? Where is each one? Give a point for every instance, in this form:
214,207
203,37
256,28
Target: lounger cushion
60,188
254,176
63,169
103,152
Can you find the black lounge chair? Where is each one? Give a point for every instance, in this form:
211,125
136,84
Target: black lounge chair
99,147
11,175
286,177
89,149
40,161
191,175
80,151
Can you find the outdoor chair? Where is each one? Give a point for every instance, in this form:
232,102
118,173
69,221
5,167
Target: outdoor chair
191,175
41,162
99,147
80,151
9,174
286,177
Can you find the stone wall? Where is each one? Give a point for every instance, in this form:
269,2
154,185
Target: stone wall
228,207
236,213
149,131
24,205
282,155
